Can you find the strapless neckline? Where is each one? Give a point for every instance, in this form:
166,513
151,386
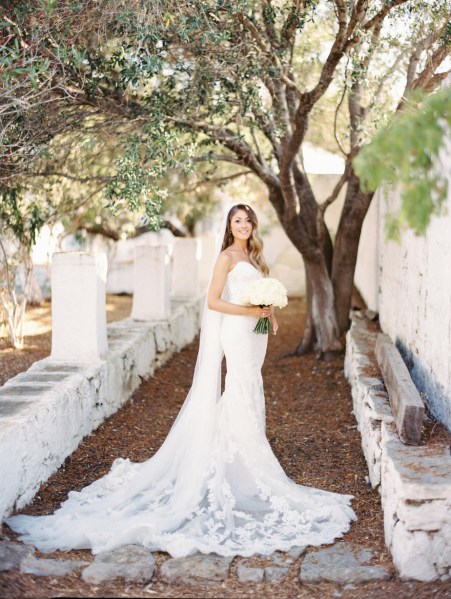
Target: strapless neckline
242,262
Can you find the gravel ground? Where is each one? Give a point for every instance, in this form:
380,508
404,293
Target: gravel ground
312,431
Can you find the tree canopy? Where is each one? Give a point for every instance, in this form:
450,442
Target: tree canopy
236,82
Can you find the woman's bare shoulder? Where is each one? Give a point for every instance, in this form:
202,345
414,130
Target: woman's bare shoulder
225,258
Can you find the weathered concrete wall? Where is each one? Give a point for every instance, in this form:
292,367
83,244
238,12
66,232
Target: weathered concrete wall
409,284
414,481
46,411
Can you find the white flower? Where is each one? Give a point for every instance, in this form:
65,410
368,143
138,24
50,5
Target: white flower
265,292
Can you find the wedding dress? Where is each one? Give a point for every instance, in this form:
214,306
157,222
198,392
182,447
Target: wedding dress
215,485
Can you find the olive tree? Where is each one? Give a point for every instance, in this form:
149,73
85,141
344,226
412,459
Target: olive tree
244,82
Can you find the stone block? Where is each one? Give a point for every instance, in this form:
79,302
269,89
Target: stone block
380,405
412,555
152,280
185,268
78,306
246,573
121,276
275,574
421,473
50,567
12,554
370,430
162,337
407,405
342,563
429,516
196,569
130,562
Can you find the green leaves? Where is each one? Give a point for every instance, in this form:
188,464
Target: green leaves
21,216
146,159
406,152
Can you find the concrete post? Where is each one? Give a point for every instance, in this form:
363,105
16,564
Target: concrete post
185,268
78,306
152,277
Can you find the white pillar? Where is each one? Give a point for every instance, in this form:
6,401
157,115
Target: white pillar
151,297
78,306
185,267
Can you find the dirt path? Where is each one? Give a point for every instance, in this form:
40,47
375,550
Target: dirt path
313,433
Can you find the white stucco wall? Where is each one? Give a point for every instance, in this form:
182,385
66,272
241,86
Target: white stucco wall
367,268
409,284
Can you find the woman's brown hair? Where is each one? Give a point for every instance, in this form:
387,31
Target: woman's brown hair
254,243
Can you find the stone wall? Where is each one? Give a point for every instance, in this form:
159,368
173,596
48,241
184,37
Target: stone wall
93,368
409,284
414,481
46,411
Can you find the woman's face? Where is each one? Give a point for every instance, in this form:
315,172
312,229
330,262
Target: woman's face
241,225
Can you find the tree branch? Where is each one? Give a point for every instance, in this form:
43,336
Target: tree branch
380,16
308,99
425,77
288,32
239,147
59,174
271,33
336,191
423,45
215,181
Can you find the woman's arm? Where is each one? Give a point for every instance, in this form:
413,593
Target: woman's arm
217,285
273,321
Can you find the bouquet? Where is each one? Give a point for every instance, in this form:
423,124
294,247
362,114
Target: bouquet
265,292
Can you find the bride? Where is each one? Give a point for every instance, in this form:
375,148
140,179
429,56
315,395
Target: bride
215,485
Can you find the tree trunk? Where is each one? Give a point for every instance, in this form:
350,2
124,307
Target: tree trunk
323,306
346,247
311,237
308,340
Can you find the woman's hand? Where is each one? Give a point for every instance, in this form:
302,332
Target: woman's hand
264,312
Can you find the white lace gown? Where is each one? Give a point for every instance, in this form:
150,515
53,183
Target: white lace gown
227,496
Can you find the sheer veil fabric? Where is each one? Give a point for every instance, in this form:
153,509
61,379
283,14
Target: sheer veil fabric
215,485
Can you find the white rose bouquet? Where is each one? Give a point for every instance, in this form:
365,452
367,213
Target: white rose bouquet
265,292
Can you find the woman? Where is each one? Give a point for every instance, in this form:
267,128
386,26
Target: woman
215,485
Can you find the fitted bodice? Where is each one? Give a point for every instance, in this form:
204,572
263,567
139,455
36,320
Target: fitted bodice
241,275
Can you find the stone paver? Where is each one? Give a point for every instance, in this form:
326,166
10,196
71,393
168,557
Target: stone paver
296,552
196,568
343,563
275,574
49,567
11,554
131,562
247,573
288,557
